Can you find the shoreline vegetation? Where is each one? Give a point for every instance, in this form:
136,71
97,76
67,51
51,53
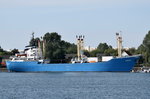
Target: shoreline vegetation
60,51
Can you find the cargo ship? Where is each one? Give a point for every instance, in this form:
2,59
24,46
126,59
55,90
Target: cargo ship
28,62
123,64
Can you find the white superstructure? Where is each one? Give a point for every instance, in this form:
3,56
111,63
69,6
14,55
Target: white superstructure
30,53
33,53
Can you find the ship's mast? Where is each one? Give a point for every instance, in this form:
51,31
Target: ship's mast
39,49
44,42
80,46
119,44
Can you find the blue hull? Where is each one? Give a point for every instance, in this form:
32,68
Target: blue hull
125,64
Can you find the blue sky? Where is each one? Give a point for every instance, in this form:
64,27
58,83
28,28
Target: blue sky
98,20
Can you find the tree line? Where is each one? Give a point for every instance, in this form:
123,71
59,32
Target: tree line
56,49
4,52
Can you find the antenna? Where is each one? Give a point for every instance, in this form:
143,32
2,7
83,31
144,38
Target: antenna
33,34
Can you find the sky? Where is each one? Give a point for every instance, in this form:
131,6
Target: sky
97,20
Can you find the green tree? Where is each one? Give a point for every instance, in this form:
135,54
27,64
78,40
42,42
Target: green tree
105,49
102,47
94,53
52,37
14,51
34,42
132,50
57,48
144,48
54,46
146,41
71,49
86,53
1,50
110,52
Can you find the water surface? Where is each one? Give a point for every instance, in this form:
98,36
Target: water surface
75,85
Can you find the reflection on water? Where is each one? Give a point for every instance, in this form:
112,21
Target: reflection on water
75,85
